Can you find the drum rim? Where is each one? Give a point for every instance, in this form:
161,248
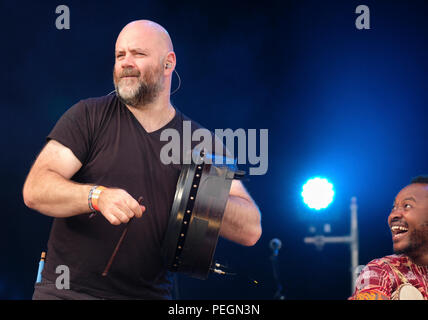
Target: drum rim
176,232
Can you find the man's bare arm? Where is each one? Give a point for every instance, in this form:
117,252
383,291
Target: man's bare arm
49,190
242,220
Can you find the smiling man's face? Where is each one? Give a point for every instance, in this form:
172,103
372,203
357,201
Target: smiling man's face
408,221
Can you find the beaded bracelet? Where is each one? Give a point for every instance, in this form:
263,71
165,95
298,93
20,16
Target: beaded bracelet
90,198
93,196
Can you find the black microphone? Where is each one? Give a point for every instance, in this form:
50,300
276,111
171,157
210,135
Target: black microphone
275,244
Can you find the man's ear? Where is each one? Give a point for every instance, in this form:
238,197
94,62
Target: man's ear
170,62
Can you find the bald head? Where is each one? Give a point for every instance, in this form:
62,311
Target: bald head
145,33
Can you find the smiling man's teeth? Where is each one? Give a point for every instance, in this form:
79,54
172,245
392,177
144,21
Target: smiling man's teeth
398,228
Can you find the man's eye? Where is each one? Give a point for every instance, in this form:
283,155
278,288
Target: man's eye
407,206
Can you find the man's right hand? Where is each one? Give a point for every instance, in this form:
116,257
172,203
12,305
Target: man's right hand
118,206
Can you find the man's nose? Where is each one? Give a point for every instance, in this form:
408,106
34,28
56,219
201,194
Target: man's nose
396,214
127,61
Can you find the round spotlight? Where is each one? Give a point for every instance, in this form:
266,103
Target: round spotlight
318,193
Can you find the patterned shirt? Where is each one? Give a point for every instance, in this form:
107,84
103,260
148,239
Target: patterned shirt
380,278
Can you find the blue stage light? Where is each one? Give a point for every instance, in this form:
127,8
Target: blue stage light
318,193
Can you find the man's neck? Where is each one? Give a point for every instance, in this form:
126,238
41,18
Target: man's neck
421,260
155,115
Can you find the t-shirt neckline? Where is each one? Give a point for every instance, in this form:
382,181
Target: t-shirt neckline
169,124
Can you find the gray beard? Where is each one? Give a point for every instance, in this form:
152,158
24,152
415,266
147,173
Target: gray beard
144,94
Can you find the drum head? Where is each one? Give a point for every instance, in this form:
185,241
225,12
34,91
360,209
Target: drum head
409,292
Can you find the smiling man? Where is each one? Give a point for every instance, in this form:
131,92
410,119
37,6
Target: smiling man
405,272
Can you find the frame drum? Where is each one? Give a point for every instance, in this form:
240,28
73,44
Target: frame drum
196,215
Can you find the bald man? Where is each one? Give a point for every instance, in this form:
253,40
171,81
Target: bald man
100,159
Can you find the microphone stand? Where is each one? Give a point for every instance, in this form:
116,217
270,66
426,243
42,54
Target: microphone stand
274,260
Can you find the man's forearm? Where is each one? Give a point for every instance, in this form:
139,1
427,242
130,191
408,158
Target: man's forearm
241,221
51,194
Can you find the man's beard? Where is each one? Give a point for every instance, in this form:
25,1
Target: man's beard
142,91
418,243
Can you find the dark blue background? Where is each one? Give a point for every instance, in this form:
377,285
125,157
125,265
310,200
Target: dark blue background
339,102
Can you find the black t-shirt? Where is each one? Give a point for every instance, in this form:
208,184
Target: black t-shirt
116,151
